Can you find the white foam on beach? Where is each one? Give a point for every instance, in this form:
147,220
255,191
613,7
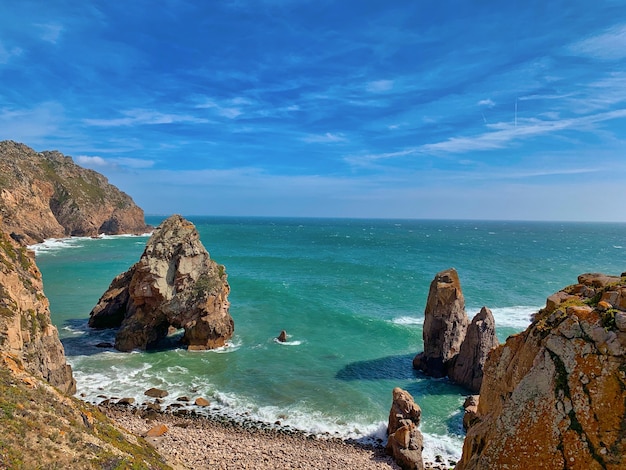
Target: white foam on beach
447,446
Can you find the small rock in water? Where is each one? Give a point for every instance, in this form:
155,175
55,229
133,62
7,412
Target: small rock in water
156,393
182,399
104,345
282,337
126,401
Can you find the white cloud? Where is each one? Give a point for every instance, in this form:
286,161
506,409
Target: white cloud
134,117
99,162
327,138
504,133
610,45
488,102
379,86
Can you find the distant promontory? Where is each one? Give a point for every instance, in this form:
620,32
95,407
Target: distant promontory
46,195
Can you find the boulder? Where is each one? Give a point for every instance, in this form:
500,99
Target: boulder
202,402
470,408
445,324
156,431
554,396
282,337
467,369
175,284
156,393
405,442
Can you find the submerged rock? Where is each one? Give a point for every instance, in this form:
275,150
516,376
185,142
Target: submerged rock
554,396
405,442
174,284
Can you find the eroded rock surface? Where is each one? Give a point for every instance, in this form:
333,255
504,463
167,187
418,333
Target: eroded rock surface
479,340
26,332
554,396
175,284
445,324
405,442
46,195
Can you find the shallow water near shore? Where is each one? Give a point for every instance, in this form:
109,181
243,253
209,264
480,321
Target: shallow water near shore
351,296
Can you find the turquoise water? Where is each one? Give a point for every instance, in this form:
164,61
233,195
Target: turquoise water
351,296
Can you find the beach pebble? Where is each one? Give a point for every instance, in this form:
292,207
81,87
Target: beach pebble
202,402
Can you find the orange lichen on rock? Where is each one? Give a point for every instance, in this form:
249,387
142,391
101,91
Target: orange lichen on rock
554,396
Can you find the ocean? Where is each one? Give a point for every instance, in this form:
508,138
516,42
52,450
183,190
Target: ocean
351,296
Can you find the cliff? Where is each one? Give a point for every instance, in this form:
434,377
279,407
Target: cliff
175,284
554,396
46,195
26,333
42,428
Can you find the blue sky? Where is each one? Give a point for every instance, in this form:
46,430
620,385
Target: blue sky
409,109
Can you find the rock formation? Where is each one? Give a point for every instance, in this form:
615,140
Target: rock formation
554,396
467,369
445,324
405,442
174,284
26,333
451,347
46,195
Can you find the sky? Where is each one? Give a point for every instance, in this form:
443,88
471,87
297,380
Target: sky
472,109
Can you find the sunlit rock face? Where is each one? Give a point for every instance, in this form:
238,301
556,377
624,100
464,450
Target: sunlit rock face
554,396
174,285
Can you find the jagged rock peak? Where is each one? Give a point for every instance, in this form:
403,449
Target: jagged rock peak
26,332
405,442
555,394
175,284
481,338
445,324
46,195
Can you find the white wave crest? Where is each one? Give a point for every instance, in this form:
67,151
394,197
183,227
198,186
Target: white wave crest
287,343
407,320
518,316
52,245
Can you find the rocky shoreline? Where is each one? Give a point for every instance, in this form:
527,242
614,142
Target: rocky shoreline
208,441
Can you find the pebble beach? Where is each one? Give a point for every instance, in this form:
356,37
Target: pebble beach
201,443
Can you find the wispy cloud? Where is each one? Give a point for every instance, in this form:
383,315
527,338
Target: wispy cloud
505,133
488,103
7,54
98,162
50,32
328,138
610,45
135,117
379,86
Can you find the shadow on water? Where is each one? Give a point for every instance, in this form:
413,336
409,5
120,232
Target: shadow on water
85,341
391,367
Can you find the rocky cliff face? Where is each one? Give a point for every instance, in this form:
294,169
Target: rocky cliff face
451,347
174,284
45,195
554,396
26,333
